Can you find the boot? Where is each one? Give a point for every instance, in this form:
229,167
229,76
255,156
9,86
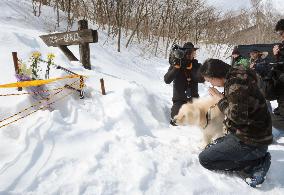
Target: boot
256,175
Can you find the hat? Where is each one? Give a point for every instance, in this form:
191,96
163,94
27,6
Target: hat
236,51
263,54
189,46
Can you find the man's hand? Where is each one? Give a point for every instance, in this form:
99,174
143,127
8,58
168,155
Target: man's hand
276,49
177,66
252,65
215,93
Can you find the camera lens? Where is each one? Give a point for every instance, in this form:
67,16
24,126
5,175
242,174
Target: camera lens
179,54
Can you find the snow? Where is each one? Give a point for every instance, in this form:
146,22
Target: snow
120,143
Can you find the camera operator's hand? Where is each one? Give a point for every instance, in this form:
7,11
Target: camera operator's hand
276,50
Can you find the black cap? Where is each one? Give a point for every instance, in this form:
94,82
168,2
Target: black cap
236,51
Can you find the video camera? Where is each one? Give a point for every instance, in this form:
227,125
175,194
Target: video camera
178,55
178,51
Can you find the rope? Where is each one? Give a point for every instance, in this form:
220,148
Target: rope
37,103
31,93
46,106
41,82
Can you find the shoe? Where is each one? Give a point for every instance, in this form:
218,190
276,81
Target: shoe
258,173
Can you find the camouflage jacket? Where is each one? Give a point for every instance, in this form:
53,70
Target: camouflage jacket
245,109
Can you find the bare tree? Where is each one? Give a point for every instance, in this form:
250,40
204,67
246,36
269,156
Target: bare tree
163,22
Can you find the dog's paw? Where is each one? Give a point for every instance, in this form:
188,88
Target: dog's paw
179,119
203,145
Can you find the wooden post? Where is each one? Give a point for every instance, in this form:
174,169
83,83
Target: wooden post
68,53
103,86
84,48
16,65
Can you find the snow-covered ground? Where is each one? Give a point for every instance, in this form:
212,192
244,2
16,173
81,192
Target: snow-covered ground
120,143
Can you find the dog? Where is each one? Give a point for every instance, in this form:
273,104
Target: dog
204,113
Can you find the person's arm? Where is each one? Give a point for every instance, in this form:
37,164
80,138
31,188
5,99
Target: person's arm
199,76
195,72
262,68
171,74
276,50
235,103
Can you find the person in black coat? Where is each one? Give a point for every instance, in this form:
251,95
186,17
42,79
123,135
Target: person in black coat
277,73
259,63
237,58
184,73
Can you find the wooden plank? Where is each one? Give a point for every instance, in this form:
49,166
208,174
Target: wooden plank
71,38
84,48
68,53
16,66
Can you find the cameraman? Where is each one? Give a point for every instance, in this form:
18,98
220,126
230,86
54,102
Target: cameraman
184,72
277,73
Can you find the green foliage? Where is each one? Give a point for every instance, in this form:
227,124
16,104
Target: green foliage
244,62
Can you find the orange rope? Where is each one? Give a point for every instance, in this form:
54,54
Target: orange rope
34,105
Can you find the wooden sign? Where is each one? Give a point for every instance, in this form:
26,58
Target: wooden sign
82,37
71,38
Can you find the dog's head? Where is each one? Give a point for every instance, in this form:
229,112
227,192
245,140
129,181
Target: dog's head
189,114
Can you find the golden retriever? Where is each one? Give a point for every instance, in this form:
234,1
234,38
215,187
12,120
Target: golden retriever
204,113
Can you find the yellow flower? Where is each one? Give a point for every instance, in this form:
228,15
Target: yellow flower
23,69
36,55
50,56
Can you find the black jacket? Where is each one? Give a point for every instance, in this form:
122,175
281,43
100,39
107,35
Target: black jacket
279,88
185,81
261,67
280,57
